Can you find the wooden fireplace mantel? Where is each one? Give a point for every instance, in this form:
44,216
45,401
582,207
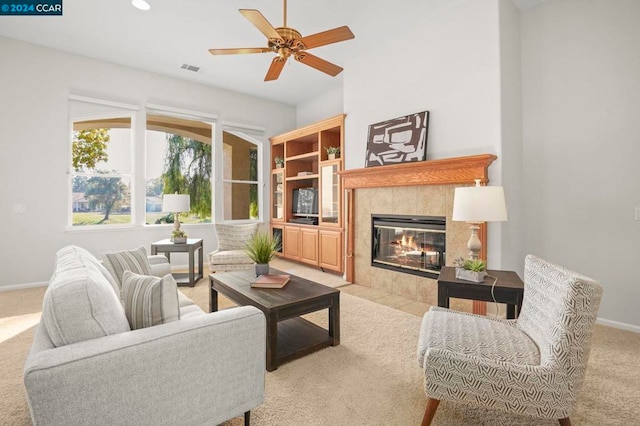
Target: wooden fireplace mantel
457,170
448,171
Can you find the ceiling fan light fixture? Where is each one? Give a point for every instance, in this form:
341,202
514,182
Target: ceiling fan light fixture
141,4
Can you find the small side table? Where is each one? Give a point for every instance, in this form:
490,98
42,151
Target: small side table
167,247
509,289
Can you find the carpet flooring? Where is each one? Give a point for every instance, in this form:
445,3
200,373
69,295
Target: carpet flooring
372,377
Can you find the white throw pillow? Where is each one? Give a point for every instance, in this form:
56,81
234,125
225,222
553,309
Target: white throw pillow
128,260
148,300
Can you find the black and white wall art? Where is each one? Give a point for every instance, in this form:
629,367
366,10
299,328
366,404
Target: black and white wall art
400,140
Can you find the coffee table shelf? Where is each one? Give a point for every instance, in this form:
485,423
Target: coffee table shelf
298,337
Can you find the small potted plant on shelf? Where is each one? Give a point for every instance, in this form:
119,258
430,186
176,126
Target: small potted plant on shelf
470,270
262,248
279,162
333,152
178,236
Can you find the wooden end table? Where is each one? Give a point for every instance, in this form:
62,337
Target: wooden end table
191,246
288,336
509,289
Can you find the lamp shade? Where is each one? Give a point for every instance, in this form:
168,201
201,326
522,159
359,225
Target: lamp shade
479,204
176,203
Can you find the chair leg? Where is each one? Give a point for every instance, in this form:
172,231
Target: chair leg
247,418
430,411
565,421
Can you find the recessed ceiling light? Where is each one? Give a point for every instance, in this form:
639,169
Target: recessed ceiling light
141,4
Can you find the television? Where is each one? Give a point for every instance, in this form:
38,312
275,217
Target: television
305,202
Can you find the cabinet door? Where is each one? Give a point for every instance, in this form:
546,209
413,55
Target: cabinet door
292,242
331,250
330,194
309,246
277,195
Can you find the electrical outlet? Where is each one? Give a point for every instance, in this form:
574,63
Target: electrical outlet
636,213
19,208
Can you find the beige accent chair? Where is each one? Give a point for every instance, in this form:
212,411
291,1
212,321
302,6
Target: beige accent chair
230,255
533,366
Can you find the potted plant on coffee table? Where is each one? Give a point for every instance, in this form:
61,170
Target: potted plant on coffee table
262,248
470,270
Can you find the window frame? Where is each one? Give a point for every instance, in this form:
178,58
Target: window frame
167,111
71,172
251,134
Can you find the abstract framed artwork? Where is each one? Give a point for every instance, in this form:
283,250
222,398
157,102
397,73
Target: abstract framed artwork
400,140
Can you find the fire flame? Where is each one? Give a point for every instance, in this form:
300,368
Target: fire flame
407,243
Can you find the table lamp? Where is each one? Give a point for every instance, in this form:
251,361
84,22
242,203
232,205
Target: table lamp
475,205
176,204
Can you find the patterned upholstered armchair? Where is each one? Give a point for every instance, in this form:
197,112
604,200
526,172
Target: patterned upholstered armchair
230,255
532,366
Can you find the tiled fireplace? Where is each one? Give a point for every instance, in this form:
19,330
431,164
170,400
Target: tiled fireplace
408,190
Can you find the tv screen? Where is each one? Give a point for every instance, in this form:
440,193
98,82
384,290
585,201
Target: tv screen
305,201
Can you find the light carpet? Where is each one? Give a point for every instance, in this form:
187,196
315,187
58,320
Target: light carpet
372,377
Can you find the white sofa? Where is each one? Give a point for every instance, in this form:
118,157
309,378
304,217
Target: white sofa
87,367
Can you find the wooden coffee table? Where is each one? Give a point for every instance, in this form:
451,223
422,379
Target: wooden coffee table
288,336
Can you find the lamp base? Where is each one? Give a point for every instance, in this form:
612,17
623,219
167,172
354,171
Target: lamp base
474,244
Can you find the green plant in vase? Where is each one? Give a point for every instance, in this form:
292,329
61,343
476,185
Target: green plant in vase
279,162
333,152
470,269
262,248
178,236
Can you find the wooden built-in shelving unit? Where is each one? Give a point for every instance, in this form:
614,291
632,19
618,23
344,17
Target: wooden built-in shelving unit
307,165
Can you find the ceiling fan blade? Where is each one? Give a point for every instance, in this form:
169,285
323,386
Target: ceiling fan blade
318,63
275,69
327,37
239,50
261,23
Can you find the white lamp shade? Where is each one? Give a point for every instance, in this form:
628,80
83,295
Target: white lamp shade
176,203
479,204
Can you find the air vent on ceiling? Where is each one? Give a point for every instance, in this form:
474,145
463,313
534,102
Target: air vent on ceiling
190,68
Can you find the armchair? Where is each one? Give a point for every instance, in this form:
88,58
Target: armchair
531,366
230,255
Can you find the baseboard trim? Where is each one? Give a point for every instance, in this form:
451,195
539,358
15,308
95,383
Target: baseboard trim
619,325
23,286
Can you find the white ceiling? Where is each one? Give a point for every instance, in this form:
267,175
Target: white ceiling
174,32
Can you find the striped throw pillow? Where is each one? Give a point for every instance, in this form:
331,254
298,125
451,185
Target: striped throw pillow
129,260
149,301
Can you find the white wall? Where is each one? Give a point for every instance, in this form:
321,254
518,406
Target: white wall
511,235
449,64
581,91
34,140
327,105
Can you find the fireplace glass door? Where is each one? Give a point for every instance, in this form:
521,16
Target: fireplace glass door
411,244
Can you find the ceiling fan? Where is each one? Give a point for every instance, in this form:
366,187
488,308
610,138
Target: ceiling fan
286,42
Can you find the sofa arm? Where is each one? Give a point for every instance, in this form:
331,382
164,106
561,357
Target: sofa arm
160,265
201,370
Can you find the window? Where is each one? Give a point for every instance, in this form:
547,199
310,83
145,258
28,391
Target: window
240,176
101,171
178,160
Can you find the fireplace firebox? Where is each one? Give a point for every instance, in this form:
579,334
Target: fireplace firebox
410,244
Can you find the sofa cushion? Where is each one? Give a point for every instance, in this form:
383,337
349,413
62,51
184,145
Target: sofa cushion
87,257
229,257
148,300
135,261
234,237
80,303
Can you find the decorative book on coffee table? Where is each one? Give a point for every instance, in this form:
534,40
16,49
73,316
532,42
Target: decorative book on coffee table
270,281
